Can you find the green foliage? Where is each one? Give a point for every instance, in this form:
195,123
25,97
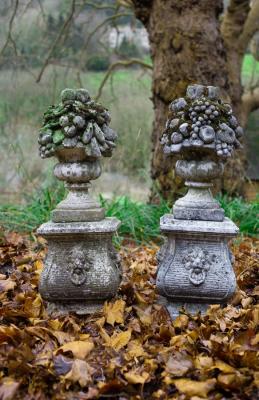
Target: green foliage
98,63
36,210
245,215
139,221
128,48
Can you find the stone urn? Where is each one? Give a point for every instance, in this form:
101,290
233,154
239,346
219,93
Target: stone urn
82,268
195,263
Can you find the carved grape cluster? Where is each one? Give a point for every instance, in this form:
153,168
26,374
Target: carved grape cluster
77,121
201,120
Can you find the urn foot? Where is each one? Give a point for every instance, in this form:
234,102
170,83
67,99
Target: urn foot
175,308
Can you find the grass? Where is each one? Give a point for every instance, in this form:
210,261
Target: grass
139,221
22,107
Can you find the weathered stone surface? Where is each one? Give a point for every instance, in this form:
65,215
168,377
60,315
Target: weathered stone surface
207,134
194,265
82,268
178,105
195,91
177,137
213,92
205,120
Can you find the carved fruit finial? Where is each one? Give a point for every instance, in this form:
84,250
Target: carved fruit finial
201,120
77,121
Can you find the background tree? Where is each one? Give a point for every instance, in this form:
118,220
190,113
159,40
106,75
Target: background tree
191,41
195,42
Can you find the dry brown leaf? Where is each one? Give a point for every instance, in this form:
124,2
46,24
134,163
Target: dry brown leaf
223,367
205,362
181,321
7,284
227,380
135,349
8,388
114,312
178,364
194,388
118,340
145,315
80,373
136,377
79,348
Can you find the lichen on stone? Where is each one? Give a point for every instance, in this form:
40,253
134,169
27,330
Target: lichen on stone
200,120
77,121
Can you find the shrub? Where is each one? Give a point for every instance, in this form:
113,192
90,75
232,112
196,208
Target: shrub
98,63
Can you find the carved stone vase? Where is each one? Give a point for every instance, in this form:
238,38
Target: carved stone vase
195,263
82,268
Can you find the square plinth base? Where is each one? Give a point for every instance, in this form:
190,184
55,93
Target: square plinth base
81,269
195,264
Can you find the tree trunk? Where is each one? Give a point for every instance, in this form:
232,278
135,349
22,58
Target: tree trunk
186,47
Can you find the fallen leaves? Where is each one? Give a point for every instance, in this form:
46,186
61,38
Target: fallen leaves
132,349
118,340
194,388
114,312
80,349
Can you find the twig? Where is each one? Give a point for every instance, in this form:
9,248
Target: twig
9,35
121,64
56,41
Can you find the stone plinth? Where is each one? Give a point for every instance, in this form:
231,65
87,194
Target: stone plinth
82,268
195,263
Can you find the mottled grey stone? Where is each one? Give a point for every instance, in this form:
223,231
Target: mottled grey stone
207,134
226,134
174,123
176,137
195,91
178,105
183,128
195,264
213,92
82,268
175,148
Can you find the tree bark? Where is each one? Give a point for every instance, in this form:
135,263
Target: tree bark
187,47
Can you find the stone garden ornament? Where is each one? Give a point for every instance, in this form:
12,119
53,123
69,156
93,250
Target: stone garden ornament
195,263
81,269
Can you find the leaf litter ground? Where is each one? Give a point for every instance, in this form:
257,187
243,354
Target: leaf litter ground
131,349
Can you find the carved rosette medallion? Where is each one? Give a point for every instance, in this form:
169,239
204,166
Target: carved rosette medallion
198,262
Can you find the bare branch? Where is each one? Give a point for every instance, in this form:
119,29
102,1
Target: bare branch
9,34
251,25
104,22
233,22
57,40
100,6
120,64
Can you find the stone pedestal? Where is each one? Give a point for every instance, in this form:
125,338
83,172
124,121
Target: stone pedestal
195,264
82,268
